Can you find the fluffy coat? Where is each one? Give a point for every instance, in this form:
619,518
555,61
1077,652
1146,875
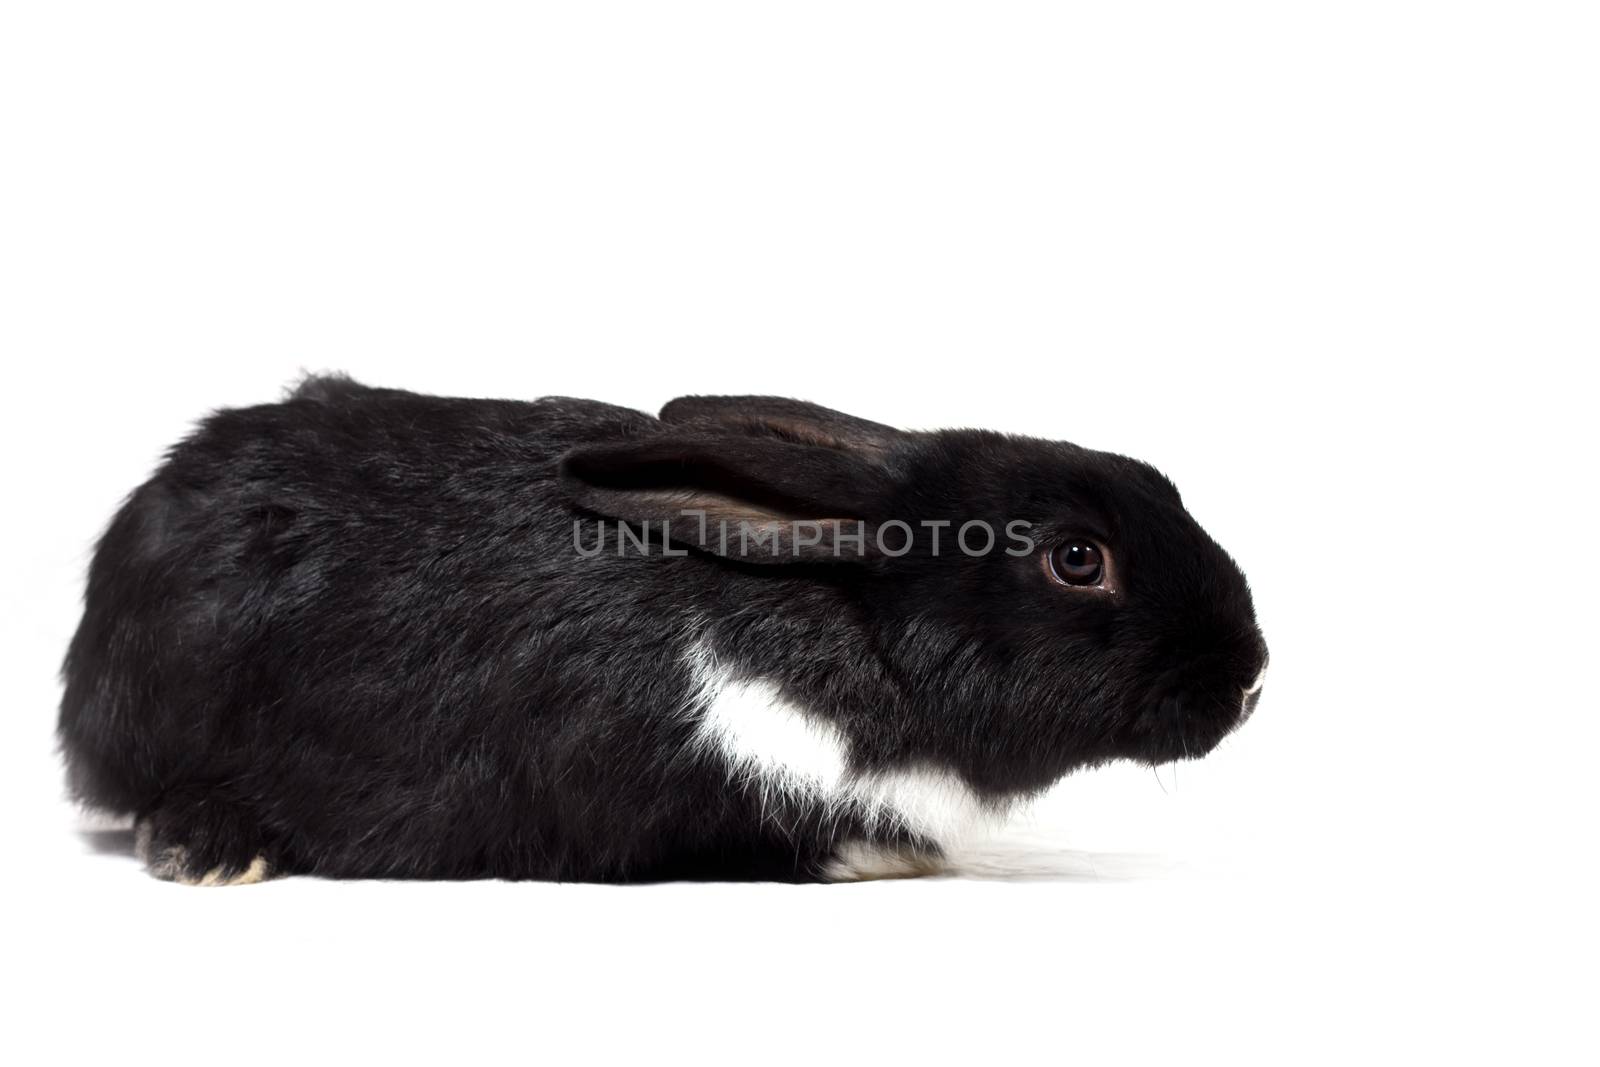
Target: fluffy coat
355,634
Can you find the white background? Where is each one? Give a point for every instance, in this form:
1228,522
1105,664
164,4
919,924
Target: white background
1332,266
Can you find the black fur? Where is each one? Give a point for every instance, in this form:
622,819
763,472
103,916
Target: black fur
350,632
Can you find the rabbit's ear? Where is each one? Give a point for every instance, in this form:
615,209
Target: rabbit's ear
756,499
791,420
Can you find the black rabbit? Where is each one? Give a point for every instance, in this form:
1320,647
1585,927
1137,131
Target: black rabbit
368,633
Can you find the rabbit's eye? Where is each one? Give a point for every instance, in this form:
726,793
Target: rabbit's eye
1077,563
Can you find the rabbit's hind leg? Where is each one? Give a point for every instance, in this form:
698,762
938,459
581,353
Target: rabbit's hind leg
198,836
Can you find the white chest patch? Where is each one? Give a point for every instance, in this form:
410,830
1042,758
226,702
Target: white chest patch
781,750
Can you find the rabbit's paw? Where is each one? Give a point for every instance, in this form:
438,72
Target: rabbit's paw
860,861
201,841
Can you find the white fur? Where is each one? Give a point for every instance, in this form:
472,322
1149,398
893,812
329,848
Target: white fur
858,861
258,871
784,751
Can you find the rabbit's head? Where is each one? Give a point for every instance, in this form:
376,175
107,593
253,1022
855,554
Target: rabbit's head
1042,606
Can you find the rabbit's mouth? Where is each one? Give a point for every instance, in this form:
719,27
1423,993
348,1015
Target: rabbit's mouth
1188,722
1192,706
